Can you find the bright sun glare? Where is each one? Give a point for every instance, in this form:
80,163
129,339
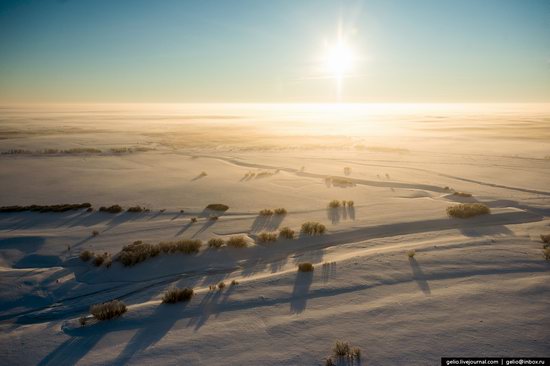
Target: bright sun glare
339,59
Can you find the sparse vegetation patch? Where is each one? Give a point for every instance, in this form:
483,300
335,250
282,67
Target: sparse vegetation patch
48,208
111,209
305,267
462,194
108,310
286,233
104,258
174,295
343,353
217,207
466,210
215,243
334,204
86,255
135,209
339,182
266,212
266,237
237,242
313,228
138,252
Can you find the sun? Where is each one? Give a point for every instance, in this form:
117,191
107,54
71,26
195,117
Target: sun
339,59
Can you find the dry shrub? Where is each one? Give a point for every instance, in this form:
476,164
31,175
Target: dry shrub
266,212
340,182
95,233
280,211
305,267
215,243
313,228
343,353
135,209
111,209
545,238
411,253
136,253
86,255
265,237
264,174
174,295
213,218
466,210
193,219
217,207
341,349
350,203
234,283
462,194
221,285
121,150
139,252
546,253
286,233
108,310
82,150
237,242
47,208
99,259
334,204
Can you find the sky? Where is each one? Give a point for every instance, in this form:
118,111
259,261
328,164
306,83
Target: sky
280,51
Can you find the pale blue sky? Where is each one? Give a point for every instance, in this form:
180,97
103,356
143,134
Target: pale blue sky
269,51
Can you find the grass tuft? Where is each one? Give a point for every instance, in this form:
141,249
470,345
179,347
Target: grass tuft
334,204
48,208
215,243
237,242
174,295
139,251
462,194
265,237
305,267
100,259
313,228
111,209
286,233
135,209
217,207
86,255
108,310
467,210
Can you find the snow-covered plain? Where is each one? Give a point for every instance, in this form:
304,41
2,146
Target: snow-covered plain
475,287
